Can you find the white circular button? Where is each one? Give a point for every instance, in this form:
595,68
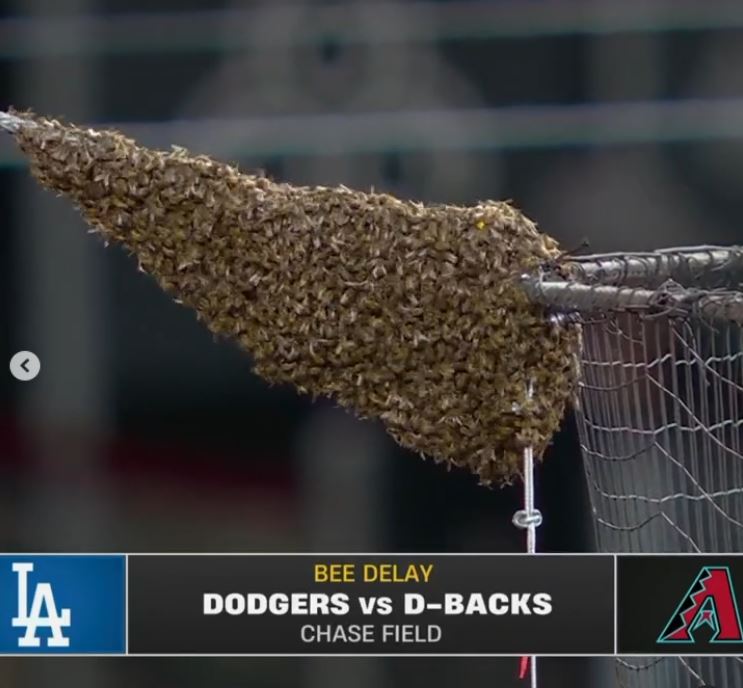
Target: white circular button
25,366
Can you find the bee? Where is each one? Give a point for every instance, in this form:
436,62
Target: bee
397,310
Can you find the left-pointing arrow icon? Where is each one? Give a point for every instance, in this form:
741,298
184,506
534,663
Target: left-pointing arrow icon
25,366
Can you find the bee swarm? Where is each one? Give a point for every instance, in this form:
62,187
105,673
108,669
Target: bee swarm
407,313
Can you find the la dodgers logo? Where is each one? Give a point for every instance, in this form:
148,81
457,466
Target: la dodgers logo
43,612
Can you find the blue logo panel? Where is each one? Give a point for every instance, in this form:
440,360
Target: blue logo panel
64,604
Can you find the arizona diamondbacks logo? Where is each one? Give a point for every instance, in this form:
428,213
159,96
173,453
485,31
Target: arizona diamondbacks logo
43,601
710,601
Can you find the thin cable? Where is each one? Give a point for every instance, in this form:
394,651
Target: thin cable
10,123
529,518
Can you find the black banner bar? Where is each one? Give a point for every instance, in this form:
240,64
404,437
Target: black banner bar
371,604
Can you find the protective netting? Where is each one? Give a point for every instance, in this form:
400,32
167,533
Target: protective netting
659,413
661,433
660,425
679,672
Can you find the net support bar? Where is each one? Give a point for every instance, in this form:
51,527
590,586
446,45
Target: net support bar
697,265
570,297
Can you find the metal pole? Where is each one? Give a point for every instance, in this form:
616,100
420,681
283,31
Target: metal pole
690,266
673,301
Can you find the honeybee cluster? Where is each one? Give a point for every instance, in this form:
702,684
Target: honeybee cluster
404,312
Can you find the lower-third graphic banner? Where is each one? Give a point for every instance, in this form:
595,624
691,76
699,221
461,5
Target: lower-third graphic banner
371,604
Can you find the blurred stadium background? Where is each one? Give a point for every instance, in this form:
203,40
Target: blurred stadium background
618,122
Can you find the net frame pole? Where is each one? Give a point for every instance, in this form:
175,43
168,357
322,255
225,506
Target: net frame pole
670,300
699,265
